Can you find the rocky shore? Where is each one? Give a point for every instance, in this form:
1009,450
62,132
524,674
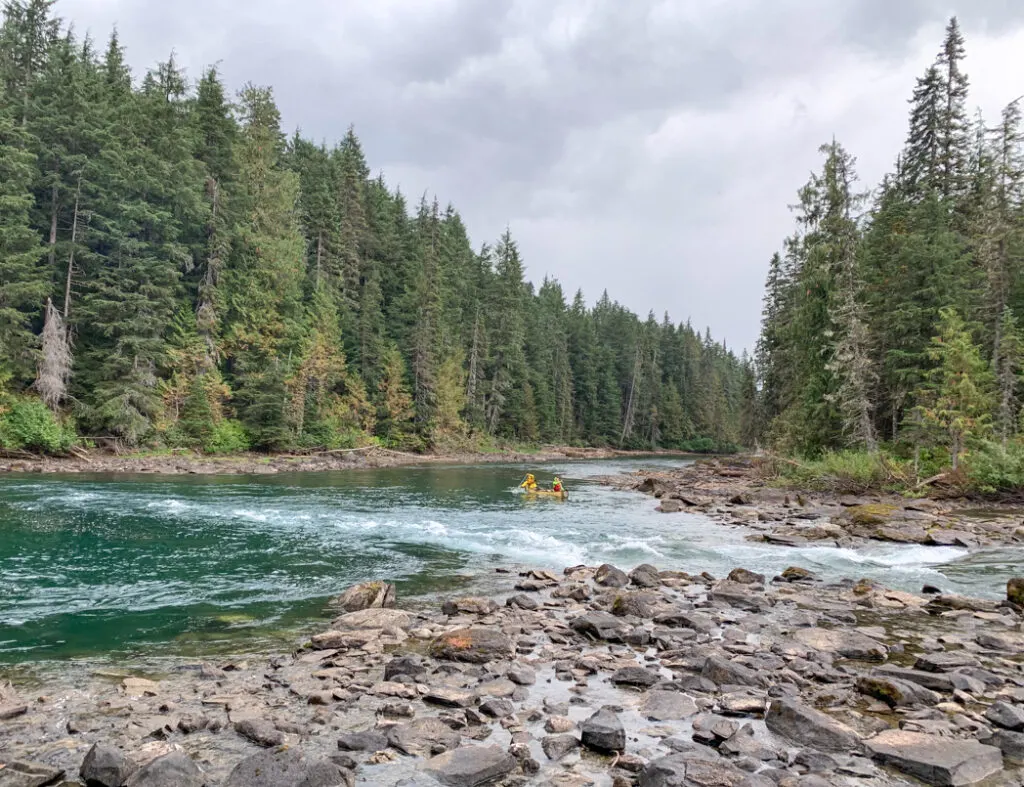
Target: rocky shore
187,462
733,492
589,677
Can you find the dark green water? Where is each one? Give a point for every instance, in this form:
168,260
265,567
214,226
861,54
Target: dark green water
124,567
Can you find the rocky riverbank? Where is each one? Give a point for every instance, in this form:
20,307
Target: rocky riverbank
733,492
259,464
591,677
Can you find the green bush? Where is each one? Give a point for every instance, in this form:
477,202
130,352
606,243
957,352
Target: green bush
847,472
29,425
992,468
707,445
227,437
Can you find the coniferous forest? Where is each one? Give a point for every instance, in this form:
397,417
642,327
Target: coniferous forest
177,271
892,318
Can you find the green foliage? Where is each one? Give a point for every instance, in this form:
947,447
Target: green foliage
227,437
899,326
995,468
210,285
845,472
28,424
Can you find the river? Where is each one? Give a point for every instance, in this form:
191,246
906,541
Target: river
116,567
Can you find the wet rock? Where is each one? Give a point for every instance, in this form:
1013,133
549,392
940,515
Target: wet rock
740,703
422,737
412,666
682,770
930,680
804,725
450,697
639,604
1011,744
522,601
12,711
469,766
945,661
896,693
470,606
1010,642
604,732
522,675
668,706
259,731
1007,716
848,644
797,574
373,618
669,505
738,595
368,740
497,708
934,759
288,768
1015,591
601,625
559,724
635,676
609,576
21,773
106,766
476,645
558,746
140,687
645,576
172,770
729,673
744,577
367,595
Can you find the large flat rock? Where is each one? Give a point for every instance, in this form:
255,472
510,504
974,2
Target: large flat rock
806,726
848,644
469,766
942,761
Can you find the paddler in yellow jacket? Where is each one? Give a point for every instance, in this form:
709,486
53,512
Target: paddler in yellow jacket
529,483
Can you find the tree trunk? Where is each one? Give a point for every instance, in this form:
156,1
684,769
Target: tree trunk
71,256
53,225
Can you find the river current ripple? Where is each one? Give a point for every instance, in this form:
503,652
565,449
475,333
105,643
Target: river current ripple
107,566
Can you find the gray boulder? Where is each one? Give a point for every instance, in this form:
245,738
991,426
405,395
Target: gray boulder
106,766
601,625
423,737
172,770
470,766
1007,716
367,595
259,731
611,577
368,740
635,676
288,768
558,746
896,693
604,732
726,673
475,645
645,576
639,604
23,773
935,759
809,727
668,706
848,644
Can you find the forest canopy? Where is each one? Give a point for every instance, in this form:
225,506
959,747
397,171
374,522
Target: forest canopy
891,318
177,271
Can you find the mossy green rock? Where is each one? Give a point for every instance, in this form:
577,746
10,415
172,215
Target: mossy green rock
871,514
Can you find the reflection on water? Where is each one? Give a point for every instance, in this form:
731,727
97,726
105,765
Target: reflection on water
130,565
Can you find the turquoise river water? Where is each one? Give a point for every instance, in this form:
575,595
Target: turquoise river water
123,566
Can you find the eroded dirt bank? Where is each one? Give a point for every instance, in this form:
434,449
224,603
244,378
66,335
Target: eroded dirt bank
589,677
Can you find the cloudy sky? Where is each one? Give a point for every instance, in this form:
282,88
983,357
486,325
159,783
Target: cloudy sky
646,147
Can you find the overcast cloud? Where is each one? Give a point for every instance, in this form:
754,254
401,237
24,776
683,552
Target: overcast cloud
646,147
